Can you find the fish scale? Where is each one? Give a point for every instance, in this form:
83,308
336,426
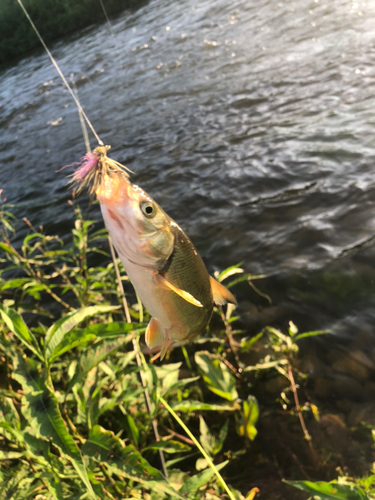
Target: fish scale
187,271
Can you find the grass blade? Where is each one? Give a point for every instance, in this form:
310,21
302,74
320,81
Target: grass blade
198,445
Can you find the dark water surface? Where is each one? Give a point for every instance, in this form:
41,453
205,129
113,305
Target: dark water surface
251,123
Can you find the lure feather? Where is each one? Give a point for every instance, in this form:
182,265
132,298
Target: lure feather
94,168
87,163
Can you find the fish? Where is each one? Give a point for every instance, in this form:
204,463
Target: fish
162,263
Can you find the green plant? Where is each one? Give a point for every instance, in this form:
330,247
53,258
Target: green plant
284,349
342,489
79,426
73,417
45,267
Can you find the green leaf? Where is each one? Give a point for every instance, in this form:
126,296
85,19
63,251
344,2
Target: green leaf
37,447
41,409
95,355
134,431
8,427
207,439
210,442
124,461
9,455
310,334
223,433
266,365
10,485
70,341
16,325
330,491
229,272
115,329
8,249
8,413
189,406
192,485
15,283
248,344
55,488
58,330
250,418
169,446
216,375
31,237
129,394
8,393
167,376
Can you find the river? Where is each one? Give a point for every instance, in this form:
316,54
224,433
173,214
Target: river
251,123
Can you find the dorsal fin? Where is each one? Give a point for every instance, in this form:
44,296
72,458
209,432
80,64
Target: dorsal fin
221,294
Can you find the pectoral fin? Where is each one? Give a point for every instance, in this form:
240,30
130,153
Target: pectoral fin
164,283
221,294
155,333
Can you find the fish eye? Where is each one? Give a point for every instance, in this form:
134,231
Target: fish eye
148,209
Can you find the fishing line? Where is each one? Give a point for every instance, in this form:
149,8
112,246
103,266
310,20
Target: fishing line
82,115
60,73
81,119
112,33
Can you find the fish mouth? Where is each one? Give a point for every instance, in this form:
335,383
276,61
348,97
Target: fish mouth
116,196
113,189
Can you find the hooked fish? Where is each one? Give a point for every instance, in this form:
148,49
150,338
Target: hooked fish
162,263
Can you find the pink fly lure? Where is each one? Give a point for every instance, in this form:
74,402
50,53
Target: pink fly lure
94,168
88,162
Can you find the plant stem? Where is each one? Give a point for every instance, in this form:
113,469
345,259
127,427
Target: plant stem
298,408
35,472
180,436
110,479
73,428
231,367
228,331
38,279
200,448
119,281
109,495
139,362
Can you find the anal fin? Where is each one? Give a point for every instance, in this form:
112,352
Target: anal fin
155,333
164,283
221,294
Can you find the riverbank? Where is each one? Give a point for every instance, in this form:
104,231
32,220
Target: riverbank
53,18
67,354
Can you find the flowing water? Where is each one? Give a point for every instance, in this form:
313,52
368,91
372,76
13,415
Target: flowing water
251,123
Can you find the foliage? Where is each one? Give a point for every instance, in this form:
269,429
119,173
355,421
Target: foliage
53,19
73,418
334,490
284,349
